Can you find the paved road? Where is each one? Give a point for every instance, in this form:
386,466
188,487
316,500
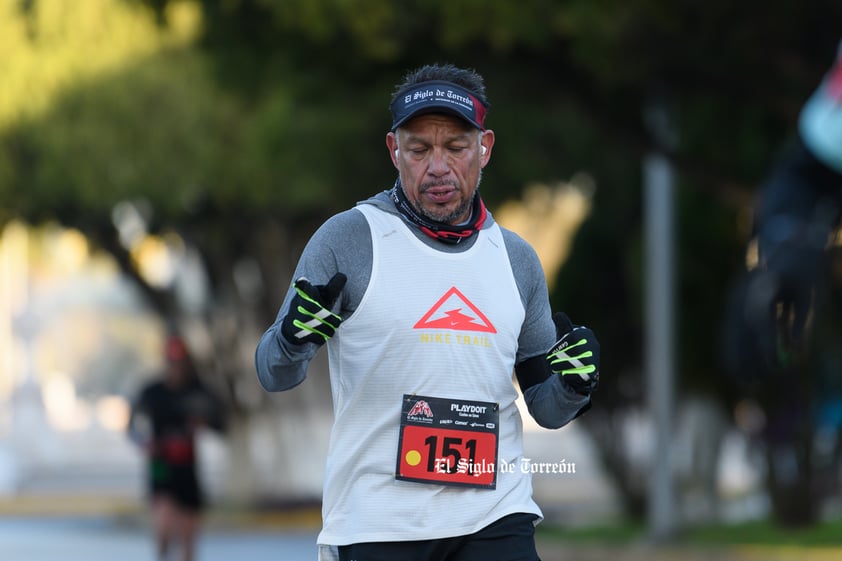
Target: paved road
95,539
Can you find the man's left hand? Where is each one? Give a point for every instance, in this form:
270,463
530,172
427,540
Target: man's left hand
575,356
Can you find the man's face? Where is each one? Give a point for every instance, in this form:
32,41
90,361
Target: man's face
440,163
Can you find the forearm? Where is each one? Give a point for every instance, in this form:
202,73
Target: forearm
553,404
342,244
549,401
278,366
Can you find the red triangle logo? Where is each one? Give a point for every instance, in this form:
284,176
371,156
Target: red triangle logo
454,311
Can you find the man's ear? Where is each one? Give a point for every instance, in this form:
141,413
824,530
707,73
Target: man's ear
486,143
392,145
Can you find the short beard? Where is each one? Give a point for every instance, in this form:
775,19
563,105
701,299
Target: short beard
451,217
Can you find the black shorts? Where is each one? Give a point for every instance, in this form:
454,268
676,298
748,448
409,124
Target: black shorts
512,538
178,482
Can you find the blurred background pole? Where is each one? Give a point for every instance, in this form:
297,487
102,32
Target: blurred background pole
660,319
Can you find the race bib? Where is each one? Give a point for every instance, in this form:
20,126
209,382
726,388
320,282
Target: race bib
448,441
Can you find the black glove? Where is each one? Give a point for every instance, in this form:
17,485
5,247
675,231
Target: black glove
309,319
575,356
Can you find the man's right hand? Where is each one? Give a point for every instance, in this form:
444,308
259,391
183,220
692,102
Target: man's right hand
309,319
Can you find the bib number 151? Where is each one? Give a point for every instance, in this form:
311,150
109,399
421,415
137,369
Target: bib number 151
463,455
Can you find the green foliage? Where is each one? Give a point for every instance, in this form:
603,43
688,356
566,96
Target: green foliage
758,533
384,30
765,532
53,45
155,133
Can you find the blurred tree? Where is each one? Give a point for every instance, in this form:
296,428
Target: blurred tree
229,130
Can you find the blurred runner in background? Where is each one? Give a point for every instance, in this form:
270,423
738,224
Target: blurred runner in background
164,421
795,214
783,324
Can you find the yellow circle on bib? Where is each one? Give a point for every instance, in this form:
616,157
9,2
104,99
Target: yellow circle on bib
413,457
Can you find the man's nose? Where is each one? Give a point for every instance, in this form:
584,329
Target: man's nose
439,164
